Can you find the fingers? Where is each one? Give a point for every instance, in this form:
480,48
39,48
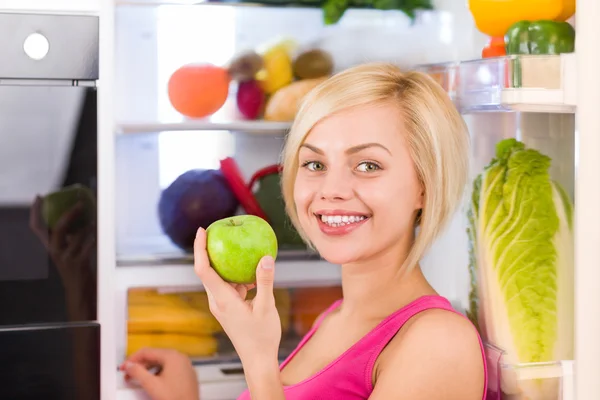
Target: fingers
151,356
265,277
61,229
76,242
241,290
212,282
145,378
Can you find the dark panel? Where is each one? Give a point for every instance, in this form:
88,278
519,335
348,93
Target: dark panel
49,141
73,46
50,363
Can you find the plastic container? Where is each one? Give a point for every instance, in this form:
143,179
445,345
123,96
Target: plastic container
446,74
482,82
533,381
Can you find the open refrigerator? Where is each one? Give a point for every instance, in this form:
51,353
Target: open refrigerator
149,294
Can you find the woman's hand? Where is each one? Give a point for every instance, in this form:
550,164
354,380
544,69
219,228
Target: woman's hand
176,379
253,327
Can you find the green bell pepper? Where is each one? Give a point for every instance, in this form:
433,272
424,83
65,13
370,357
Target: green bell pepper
540,37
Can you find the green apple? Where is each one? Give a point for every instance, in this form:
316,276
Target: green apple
57,204
236,244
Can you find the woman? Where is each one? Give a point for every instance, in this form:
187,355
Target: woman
373,154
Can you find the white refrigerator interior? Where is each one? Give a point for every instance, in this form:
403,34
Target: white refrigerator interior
145,144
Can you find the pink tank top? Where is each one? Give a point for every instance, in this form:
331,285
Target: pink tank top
349,377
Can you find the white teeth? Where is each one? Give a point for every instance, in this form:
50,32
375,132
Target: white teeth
341,220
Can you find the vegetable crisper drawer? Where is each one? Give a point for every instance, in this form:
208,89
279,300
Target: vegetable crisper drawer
182,321
531,381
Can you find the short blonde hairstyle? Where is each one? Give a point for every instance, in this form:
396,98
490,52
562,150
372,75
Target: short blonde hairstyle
436,134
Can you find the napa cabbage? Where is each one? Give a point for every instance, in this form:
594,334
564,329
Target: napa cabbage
521,262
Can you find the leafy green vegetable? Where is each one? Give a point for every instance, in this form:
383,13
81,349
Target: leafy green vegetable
333,10
521,258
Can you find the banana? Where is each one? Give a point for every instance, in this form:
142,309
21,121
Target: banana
150,311
193,346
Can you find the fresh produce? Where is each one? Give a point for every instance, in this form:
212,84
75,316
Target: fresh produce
314,63
185,313
270,199
284,104
198,90
250,99
333,10
236,244
153,312
190,345
494,17
277,68
245,66
170,321
197,198
57,204
495,48
521,263
540,37
310,302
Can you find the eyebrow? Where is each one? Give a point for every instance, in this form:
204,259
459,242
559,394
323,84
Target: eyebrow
351,150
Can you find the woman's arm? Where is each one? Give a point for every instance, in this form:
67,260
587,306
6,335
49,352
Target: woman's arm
437,356
264,381
254,327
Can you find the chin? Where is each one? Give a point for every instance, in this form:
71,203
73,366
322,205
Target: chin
339,255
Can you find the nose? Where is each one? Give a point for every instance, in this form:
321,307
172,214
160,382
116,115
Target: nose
336,185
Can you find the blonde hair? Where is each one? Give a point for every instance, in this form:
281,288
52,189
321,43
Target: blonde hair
437,138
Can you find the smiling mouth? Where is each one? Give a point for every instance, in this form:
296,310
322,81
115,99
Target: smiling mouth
341,220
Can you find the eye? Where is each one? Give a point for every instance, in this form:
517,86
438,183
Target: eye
368,166
313,166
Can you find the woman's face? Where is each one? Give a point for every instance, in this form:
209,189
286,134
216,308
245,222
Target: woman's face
356,190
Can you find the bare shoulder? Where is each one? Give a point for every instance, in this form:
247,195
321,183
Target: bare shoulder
437,354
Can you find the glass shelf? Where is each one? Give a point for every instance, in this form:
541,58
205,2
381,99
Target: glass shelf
254,127
180,257
513,83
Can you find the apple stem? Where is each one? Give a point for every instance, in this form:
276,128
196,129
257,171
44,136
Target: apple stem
232,222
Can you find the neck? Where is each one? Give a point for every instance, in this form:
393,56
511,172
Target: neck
378,287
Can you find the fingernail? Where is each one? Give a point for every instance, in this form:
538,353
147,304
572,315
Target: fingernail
198,232
127,365
268,262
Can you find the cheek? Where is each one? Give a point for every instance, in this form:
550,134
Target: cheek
394,199
303,195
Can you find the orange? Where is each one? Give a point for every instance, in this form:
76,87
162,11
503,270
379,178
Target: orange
310,302
198,90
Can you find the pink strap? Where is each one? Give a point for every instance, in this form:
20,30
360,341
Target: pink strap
390,326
